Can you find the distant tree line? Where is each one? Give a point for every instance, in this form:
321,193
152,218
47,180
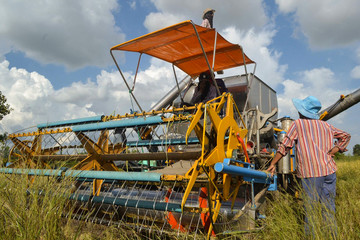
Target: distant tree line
4,110
356,150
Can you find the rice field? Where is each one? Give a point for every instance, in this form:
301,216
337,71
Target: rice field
285,213
26,214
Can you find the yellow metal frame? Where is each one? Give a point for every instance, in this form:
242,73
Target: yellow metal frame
28,151
219,143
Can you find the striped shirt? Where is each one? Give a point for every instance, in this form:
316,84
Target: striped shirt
313,140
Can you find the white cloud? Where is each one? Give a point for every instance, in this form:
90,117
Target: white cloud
355,72
317,82
244,15
132,5
319,79
71,33
358,53
326,23
34,100
256,46
321,83
286,6
158,20
31,96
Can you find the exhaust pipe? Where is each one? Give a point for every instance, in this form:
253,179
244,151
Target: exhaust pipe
172,94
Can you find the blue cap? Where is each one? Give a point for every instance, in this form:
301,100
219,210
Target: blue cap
308,107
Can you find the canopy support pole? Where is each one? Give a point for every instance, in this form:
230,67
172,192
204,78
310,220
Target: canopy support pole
137,70
206,59
127,85
177,83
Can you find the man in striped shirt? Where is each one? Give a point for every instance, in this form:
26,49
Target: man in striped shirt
315,148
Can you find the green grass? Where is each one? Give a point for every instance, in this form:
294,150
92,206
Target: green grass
285,213
348,198
26,214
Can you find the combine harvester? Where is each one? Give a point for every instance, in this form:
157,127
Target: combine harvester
189,169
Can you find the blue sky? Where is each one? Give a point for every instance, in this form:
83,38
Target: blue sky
55,62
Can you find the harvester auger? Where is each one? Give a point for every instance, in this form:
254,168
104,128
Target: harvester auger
192,169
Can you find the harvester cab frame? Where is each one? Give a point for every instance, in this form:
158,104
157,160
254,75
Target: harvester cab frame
189,47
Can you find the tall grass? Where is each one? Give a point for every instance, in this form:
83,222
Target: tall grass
38,208
285,213
348,198
26,214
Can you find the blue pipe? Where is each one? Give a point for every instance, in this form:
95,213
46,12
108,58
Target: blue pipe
146,204
83,174
32,172
71,122
247,173
161,142
131,122
113,175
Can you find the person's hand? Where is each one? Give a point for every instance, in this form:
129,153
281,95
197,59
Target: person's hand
333,151
272,169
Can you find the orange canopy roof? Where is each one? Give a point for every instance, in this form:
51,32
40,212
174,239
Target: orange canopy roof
179,45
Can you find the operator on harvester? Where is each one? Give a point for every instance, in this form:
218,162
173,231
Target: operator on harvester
206,89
